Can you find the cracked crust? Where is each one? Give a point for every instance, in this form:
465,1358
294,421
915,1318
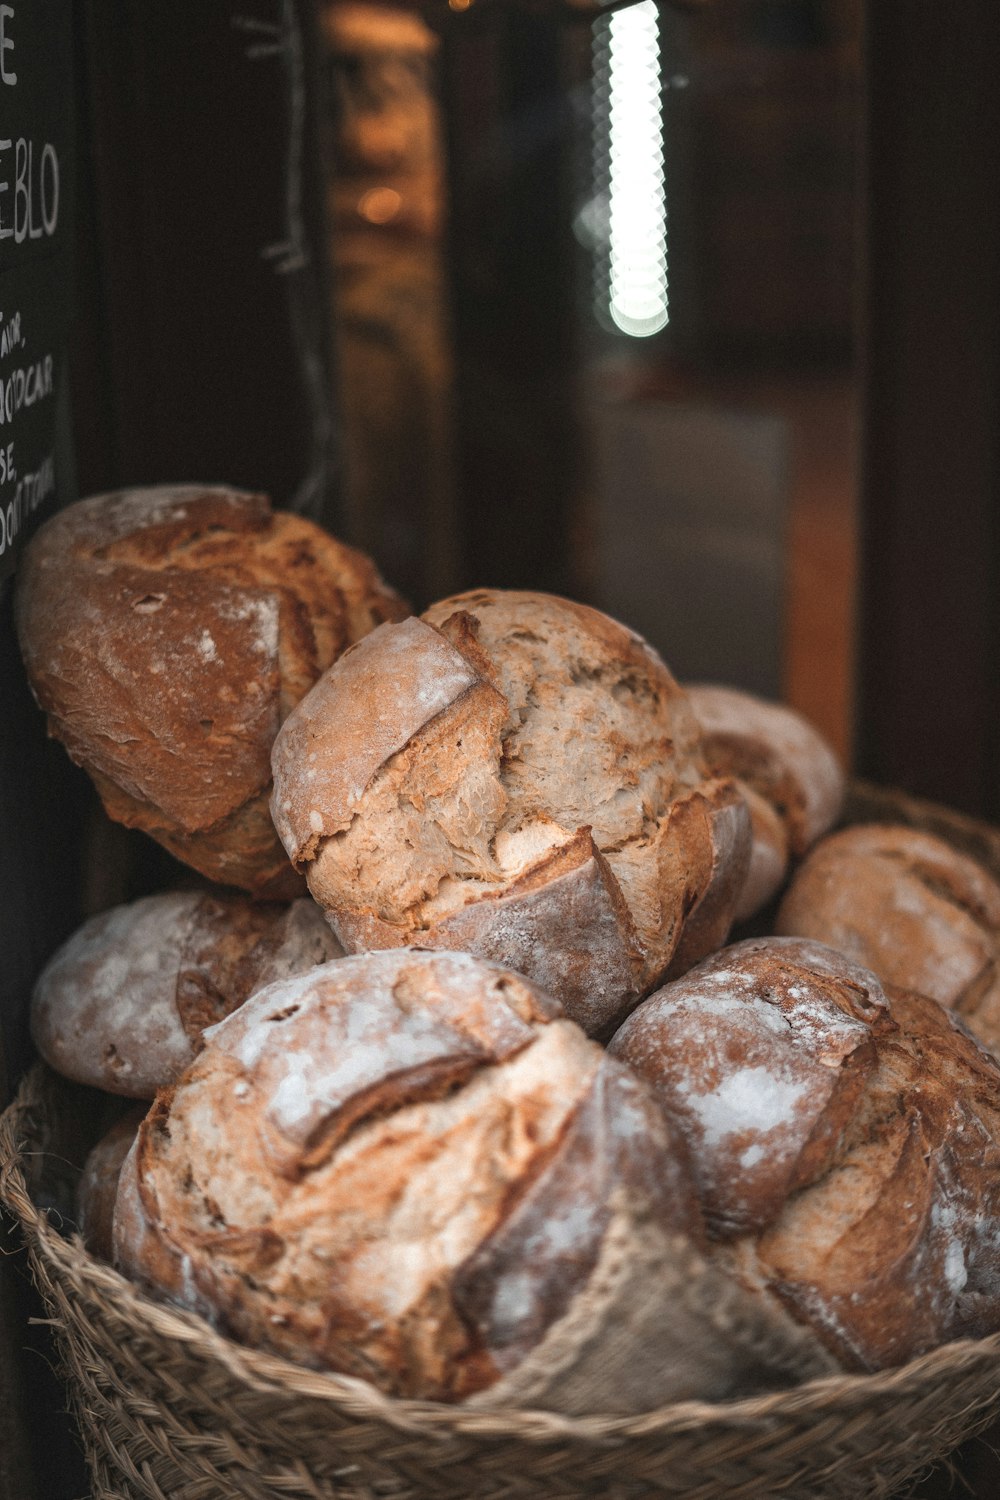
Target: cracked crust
123,1003
167,632
521,776
845,1141
790,777
401,1166
911,907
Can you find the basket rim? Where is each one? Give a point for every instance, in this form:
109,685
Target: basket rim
273,1375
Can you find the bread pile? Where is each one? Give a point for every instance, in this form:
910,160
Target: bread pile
493,1116
845,1139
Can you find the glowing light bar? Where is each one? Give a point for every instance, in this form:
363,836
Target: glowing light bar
636,199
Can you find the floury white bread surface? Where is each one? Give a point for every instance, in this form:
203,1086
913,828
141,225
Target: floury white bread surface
792,780
845,1141
167,632
407,1166
520,777
911,907
123,1003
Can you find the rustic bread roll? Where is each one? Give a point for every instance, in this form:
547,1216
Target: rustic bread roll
406,1167
166,633
845,1143
519,777
123,1003
98,1186
792,781
911,907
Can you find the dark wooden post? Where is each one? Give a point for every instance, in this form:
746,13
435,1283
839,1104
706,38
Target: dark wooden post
929,690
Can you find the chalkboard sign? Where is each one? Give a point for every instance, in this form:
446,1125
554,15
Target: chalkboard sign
36,197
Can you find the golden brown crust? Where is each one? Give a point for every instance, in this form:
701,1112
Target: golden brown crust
352,1170
166,633
920,913
846,1143
521,776
344,732
790,777
775,751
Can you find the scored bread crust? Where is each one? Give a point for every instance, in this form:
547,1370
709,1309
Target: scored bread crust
777,752
845,1139
401,1166
791,779
907,904
408,1167
122,1005
520,776
166,633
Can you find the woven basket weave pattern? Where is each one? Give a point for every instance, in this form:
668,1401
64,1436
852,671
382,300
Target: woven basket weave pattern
171,1410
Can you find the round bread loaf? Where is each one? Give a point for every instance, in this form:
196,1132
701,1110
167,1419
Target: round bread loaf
792,781
98,1186
405,1166
911,907
123,1003
519,777
845,1142
166,633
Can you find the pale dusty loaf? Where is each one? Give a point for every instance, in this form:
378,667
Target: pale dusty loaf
123,1003
845,1142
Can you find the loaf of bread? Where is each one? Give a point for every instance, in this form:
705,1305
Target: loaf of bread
123,1003
98,1187
407,1167
845,1142
166,633
911,907
789,775
519,777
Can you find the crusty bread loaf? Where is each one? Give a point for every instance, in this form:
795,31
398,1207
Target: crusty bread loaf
845,1141
166,633
123,1003
519,777
406,1166
98,1186
911,907
790,776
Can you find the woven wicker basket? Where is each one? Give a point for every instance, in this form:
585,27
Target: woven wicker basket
169,1408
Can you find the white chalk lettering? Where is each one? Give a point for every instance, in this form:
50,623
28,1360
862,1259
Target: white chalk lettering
50,198
24,386
36,190
6,225
31,491
10,334
7,74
